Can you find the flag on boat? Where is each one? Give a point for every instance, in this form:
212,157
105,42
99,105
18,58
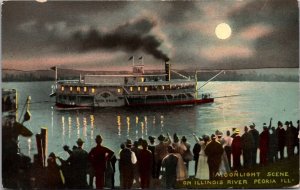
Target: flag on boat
130,58
53,68
141,58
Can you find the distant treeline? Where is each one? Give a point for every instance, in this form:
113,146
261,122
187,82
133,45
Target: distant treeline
25,77
234,76
203,76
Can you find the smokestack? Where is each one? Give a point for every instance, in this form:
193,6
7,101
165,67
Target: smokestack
168,70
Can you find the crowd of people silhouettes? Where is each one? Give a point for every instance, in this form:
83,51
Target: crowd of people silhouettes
147,164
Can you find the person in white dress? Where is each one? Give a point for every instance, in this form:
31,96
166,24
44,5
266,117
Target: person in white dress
182,172
202,170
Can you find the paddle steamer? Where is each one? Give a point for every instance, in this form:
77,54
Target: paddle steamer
135,89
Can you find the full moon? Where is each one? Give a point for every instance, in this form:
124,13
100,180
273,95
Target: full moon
223,31
41,1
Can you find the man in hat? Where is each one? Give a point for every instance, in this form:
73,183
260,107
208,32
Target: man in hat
247,143
145,161
264,145
196,151
236,149
273,145
255,135
151,147
135,148
161,151
233,132
214,152
98,156
78,163
280,138
289,139
126,163
170,164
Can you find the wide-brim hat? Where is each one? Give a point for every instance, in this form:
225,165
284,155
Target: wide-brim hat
252,126
236,131
151,138
79,141
128,142
287,123
183,138
161,138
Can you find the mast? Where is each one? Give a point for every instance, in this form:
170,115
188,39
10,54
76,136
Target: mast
196,84
54,69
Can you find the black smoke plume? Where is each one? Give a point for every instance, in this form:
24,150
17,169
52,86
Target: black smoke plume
129,37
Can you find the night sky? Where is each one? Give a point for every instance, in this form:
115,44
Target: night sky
102,35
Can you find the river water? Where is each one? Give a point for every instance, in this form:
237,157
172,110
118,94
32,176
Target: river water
255,102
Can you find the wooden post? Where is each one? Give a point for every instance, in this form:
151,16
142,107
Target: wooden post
41,144
44,138
39,148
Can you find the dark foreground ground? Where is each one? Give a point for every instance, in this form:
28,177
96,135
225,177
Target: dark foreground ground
281,174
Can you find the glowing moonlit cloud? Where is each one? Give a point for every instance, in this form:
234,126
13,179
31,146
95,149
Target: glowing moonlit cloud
41,1
223,31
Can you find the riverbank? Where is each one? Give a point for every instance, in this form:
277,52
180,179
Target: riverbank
281,174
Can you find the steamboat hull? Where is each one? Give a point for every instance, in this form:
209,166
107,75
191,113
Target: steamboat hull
59,106
175,103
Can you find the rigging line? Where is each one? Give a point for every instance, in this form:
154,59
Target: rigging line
180,74
211,79
25,105
22,111
228,96
40,102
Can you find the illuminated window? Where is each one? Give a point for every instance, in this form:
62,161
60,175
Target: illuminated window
62,88
142,79
85,89
71,88
93,90
78,89
131,88
119,90
139,88
163,87
146,89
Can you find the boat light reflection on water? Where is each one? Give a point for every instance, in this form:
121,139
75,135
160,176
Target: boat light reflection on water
70,127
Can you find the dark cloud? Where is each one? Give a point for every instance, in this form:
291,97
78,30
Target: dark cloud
162,29
180,11
129,37
280,48
26,25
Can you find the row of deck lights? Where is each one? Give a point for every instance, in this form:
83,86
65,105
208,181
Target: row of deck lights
85,89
